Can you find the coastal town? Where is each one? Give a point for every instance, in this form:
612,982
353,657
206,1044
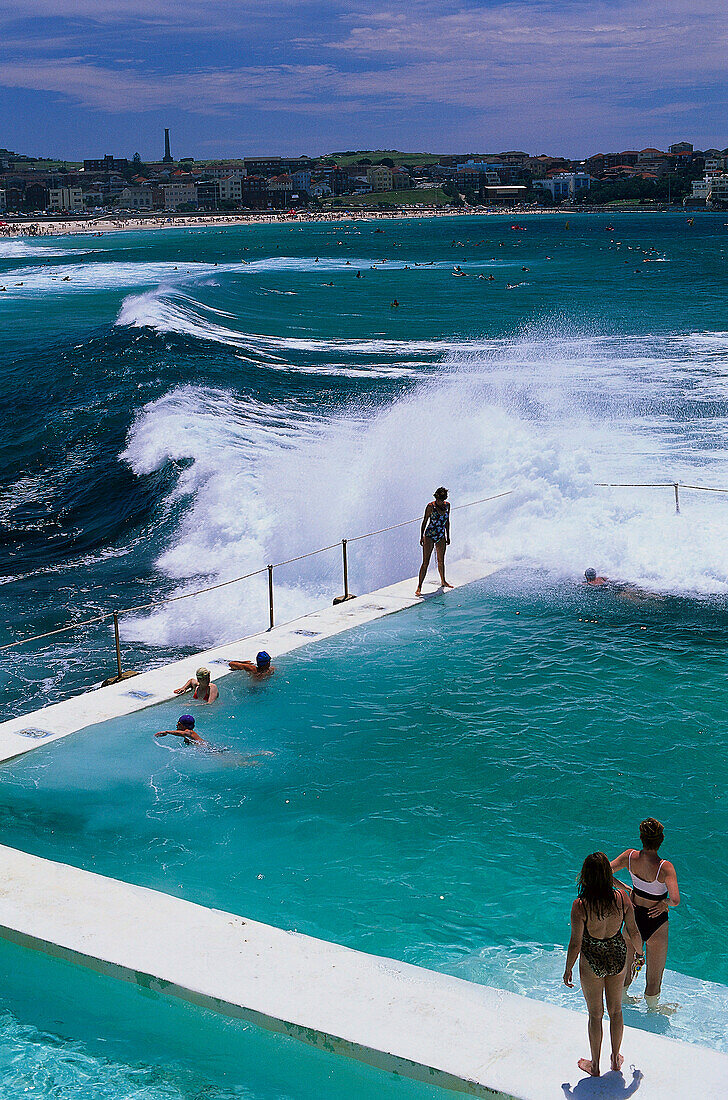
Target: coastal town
109,185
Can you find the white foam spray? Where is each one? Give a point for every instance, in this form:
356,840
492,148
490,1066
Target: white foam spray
547,417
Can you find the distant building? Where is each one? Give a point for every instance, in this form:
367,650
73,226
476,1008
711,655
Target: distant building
3,201
231,189
263,166
255,192
137,198
68,199
224,171
718,191
505,195
302,180
679,148
106,164
178,193
715,165
566,185
379,178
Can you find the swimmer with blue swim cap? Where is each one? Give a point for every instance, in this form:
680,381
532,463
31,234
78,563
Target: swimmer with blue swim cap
259,670
185,729
593,580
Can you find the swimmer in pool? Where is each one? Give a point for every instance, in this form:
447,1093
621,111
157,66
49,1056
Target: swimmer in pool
201,686
593,580
185,729
261,670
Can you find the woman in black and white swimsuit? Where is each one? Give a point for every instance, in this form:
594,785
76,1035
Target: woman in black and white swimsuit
597,918
654,891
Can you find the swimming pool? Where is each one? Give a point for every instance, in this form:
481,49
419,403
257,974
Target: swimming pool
436,779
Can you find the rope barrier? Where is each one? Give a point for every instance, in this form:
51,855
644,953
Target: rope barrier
300,557
60,630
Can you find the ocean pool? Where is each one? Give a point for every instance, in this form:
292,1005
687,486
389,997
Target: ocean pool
436,780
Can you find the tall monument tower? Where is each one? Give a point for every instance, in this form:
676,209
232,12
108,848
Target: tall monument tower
167,158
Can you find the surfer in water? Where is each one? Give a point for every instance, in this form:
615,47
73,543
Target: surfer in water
435,535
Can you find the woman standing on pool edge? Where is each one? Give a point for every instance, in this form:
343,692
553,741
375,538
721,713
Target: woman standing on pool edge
654,891
597,918
435,533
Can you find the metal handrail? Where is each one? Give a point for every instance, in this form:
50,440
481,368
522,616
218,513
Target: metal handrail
268,569
234,580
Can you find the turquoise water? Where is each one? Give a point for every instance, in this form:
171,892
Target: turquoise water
437,776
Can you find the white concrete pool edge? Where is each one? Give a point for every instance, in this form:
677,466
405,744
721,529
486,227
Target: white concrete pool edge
392,1015
40,727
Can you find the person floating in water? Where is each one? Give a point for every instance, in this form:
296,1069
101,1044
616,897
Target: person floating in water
260,670
654,891
598,916
593,580
435,534
185,729
201,686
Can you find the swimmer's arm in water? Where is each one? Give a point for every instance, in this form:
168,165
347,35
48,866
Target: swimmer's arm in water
190,737
574,948
189,686
425,518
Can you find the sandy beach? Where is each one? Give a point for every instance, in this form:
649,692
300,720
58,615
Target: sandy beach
99,226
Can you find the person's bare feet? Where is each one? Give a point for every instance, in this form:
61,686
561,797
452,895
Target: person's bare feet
446,585
617,1062
587,1066
418,592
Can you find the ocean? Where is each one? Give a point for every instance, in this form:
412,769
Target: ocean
186,406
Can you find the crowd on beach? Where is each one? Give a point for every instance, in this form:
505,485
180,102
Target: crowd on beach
99,225
616,929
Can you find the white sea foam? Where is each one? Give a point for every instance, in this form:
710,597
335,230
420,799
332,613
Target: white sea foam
21,250
547,418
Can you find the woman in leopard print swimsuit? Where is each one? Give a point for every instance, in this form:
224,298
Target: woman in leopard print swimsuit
597,918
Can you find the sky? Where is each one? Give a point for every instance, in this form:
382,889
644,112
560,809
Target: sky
81,78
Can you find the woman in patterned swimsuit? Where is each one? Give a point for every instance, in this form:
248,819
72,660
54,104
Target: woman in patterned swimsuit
435,534
597,918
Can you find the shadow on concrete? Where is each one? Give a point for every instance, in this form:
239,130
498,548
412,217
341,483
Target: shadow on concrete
610,1086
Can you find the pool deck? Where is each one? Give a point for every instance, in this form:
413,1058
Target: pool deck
23,734
397,1017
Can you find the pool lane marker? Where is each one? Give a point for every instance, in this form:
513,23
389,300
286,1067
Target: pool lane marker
21,735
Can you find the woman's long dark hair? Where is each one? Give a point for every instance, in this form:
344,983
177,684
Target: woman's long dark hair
596,885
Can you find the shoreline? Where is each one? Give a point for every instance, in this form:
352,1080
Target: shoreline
99,226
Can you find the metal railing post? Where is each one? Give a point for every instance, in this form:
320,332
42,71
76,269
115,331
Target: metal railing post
677,499
346,568
270,595
118,644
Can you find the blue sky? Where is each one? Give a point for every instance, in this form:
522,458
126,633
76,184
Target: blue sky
231,77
